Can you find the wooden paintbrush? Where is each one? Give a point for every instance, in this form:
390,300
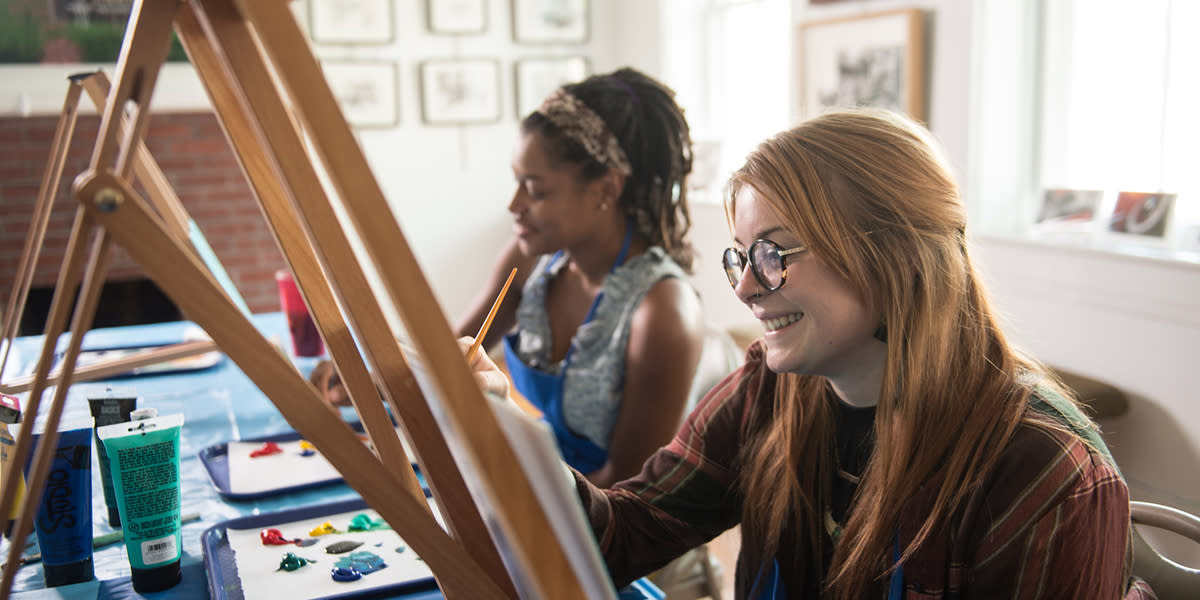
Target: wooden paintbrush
488,321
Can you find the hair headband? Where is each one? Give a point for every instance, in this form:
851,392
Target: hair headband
582,124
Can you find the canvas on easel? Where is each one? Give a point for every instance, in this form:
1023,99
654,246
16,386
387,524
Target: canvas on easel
282,120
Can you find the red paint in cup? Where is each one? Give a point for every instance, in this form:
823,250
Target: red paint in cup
306,341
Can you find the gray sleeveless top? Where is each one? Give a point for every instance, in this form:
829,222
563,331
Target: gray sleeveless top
596,375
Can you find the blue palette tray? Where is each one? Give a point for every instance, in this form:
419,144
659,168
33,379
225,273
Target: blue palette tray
215,459
221,566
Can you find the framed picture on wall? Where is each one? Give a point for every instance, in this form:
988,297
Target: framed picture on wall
877,59
537,77
457,16
550,21
350,22
460,91
366,91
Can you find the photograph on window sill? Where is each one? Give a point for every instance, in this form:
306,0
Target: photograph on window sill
1142,213
1064,208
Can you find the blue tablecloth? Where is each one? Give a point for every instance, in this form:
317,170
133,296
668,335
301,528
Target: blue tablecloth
219,404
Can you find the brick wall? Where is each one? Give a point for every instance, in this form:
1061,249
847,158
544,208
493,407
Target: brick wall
197,160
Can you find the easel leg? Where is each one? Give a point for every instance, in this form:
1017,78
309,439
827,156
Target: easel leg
85,311
183,278
289,232
41,216
535,549
56,322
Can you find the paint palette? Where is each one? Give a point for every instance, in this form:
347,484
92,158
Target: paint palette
240,565
238,476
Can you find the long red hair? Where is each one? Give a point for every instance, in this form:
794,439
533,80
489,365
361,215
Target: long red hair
871,195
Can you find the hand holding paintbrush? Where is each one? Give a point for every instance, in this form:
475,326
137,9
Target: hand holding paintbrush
491,379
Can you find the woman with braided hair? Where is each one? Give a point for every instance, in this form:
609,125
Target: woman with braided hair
601,330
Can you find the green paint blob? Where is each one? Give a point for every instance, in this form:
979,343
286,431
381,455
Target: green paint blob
291,562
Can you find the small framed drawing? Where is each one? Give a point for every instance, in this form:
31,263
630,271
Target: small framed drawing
877,59
550,21
350,22
454,17
537,77
1068,208
460,91
1142,213
365,90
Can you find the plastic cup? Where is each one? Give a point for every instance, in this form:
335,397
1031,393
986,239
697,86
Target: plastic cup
306,341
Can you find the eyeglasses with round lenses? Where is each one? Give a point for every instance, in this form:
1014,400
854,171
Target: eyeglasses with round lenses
766,260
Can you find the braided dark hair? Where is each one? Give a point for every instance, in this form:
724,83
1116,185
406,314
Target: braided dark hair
652,131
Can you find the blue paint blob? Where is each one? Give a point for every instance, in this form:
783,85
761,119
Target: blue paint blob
362,561
344,574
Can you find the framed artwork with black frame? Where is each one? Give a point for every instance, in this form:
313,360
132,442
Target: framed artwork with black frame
455,17
366,91
351,22
876,59
460,91
550,21
536,77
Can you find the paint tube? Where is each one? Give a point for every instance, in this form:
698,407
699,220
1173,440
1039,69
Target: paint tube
10,414
64,515
144,461
109,407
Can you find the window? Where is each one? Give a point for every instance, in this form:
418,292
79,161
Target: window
1100,97
728,61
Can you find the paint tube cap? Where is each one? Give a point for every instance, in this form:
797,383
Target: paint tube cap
142,414
156,579
68,573
10,409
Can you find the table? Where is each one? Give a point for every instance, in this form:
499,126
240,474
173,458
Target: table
219,404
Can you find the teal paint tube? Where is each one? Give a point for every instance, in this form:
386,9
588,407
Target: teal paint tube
64,516
144,460
109,407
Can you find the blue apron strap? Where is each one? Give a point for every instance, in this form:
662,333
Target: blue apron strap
596,302
896,586
772,586
545,390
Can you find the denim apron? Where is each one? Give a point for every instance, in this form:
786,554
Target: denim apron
773,588
545,390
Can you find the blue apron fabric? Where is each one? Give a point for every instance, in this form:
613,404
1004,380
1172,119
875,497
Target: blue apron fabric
773,588
545,390
642,589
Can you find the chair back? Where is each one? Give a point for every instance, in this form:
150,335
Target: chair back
1169,579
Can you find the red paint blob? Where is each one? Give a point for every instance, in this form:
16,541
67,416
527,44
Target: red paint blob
267,449
274,537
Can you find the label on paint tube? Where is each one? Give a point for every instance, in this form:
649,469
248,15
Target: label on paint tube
145,469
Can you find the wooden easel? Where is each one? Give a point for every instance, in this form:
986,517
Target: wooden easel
259,70
96,85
